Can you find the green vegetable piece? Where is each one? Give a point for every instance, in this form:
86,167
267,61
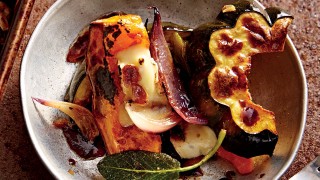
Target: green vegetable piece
139,165
148,165
179,50
178,44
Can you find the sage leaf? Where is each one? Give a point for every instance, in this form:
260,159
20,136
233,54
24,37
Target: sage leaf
139,165
148,165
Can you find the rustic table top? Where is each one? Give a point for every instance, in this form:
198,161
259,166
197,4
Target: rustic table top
19,160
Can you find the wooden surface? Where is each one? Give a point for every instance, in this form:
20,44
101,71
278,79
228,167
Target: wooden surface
14,38
19,160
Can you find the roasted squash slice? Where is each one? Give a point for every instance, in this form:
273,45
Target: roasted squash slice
108,37
219,58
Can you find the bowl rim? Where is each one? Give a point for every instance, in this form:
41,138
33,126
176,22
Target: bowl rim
299,135
50,166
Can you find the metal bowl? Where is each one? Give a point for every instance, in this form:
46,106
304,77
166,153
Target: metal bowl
277,82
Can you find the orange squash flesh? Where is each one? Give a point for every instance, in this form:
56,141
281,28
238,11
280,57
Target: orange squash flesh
107,38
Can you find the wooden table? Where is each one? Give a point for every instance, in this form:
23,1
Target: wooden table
19,160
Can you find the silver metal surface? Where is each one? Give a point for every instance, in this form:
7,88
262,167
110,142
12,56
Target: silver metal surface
277,82
310,172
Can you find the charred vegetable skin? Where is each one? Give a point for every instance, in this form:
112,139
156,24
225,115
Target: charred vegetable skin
244,144
108,96
220,48
198,54
78,48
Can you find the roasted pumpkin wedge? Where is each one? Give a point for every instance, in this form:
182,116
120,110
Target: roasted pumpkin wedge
78,48
123,75
107,38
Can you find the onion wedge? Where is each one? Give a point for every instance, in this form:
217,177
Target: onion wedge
175,91
80,115
154,119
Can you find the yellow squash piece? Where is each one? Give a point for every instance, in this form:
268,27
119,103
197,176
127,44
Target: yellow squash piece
232,50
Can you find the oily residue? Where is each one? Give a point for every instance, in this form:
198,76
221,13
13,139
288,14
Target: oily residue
78,143
249,115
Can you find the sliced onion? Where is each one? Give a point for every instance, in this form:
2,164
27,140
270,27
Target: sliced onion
81,116
154,119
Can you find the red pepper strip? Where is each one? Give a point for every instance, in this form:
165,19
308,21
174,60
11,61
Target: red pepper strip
175,91
242,165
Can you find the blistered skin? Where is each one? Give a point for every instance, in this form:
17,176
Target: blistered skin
79,46
232,49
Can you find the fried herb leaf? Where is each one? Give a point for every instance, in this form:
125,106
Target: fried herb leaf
148,165
139,165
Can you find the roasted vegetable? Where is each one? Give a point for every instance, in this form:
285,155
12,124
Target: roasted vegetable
80,115
244,144
147,165
175,91
241,164
154,119
221,52
79,90
177,47
121,43
232,49
198,55
108,96
199,90
77,78
79,46
83,96
192,140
